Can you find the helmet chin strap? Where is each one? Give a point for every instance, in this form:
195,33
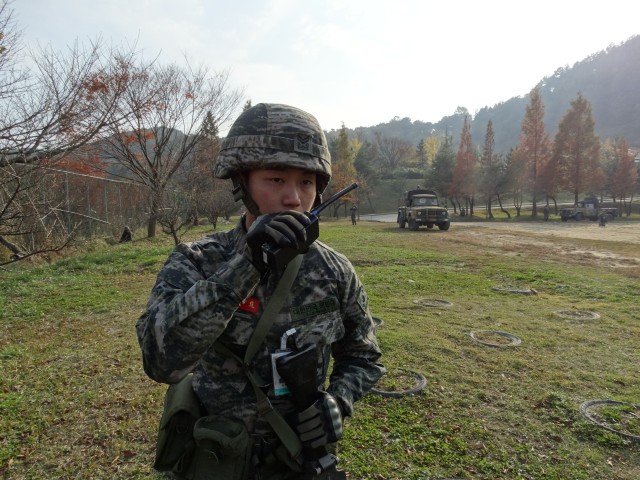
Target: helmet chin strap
318,200
240,192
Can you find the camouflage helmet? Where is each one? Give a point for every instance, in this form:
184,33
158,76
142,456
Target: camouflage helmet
274,135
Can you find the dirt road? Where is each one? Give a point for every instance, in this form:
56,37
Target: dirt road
627,232
616,245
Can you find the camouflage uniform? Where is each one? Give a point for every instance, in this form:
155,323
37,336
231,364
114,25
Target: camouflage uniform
195,301
209,290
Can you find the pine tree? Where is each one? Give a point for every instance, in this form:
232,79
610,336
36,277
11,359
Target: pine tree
489,164
441,171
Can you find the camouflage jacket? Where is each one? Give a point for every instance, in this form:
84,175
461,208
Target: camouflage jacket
209,290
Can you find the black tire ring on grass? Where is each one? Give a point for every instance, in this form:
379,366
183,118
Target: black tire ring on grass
577,314
514,340
585,411
432,302
421,382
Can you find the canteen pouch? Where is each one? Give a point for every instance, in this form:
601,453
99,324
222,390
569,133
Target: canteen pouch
224,449
175,446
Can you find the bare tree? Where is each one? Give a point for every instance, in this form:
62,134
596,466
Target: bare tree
174,216
219,202
171,103
59,104
392,152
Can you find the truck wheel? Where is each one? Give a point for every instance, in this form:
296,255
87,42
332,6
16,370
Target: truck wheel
579,216
413,225
444,226
402,222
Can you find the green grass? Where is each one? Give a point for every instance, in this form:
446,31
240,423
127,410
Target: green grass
75,403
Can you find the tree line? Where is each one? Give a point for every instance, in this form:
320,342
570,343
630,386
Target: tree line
99,136
538,170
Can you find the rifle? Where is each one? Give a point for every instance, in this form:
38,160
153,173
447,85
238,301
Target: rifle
298,370
277,258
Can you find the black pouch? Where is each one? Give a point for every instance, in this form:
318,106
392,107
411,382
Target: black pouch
176,446
224,449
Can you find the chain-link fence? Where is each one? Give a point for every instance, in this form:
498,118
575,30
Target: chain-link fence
93,206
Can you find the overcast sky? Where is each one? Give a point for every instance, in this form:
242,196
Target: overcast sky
357,62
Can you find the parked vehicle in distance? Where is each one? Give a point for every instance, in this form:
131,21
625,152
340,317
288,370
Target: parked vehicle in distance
421,207
590,209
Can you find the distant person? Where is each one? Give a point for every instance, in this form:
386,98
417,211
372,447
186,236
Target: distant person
127,235
354,214
545,211
603,220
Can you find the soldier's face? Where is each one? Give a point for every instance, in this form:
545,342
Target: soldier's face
275,190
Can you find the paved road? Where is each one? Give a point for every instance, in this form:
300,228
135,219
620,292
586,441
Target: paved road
383,217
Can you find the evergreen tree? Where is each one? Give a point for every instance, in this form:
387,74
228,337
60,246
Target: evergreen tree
489,166
441,171
422,155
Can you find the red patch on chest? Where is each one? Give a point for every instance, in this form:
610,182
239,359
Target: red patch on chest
251,305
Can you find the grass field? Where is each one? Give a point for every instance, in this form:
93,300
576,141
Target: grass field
75,403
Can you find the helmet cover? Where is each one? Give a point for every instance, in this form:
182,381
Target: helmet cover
271,135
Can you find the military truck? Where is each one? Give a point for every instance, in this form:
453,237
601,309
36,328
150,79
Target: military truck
420,207
589,208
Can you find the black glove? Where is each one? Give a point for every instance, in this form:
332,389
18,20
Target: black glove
321,423
286,230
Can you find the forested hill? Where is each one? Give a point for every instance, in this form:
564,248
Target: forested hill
608,79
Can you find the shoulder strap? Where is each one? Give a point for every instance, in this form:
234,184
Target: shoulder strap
272,308
287,436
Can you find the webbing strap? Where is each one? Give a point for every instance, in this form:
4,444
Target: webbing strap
286,434
289,438
272,308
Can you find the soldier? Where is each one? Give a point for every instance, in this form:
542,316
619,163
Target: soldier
213,290
127,235
354,214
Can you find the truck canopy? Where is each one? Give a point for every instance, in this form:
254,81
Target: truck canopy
420,196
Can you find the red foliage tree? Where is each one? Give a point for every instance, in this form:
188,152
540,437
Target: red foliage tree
624,181
463,182
576,149
535,147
